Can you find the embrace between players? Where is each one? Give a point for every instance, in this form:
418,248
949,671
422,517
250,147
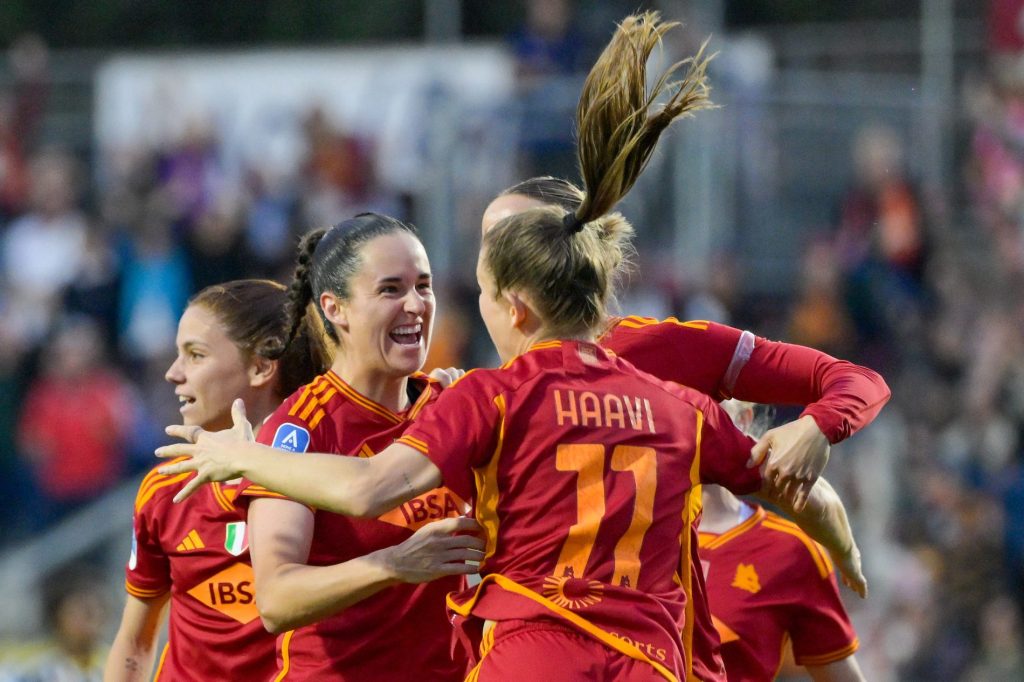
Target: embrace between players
333,543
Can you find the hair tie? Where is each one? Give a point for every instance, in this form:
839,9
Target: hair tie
572,223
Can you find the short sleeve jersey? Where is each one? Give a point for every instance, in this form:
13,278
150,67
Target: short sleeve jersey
198,551
582,466
399,633
767,581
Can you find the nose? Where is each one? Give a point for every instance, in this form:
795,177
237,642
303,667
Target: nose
415,303
174,373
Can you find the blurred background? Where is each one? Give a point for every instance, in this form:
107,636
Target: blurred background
860,190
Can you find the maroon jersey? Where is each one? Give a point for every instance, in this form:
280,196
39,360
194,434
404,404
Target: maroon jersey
768,582
399,633
582,468
198,551
724,362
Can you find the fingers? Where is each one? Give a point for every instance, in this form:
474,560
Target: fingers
175,450
189,488
455,524
468,541
802,493
474,555
759,452
179,467
186,433
238,418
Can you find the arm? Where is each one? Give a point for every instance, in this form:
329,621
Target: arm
354,486
292,594
824,519
134,649
841,398
845,670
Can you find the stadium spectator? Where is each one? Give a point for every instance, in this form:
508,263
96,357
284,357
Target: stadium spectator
75,421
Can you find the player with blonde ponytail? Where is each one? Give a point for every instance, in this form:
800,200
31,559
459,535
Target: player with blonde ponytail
580,465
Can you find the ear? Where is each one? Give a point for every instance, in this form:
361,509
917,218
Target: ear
518,309
262,371
334,310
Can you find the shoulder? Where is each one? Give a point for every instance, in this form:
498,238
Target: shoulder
156,489
790,541
636,326
306,410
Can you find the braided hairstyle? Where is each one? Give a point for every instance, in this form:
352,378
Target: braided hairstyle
326,261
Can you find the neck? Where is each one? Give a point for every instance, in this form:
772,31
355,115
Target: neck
384,389
541,335
260,408
721,509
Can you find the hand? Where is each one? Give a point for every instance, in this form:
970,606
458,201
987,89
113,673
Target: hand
437,549
848,564
447,376
211,453
792,457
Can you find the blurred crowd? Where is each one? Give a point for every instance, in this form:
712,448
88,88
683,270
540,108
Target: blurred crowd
923,285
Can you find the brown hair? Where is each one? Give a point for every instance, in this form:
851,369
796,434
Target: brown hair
567,255
254,314
327,260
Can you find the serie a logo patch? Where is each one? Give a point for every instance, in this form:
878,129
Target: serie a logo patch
291,438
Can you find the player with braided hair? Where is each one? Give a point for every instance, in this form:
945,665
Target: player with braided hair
342,592
582,467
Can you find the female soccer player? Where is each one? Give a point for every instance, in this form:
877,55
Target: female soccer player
725,362
195,557
329,584
768,583
581,466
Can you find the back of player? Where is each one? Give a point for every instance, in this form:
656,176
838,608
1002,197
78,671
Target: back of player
768,583
584,470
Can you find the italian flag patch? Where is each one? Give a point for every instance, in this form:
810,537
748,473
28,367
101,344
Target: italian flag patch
236,540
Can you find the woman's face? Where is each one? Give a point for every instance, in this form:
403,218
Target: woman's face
209,371
496,314
389,315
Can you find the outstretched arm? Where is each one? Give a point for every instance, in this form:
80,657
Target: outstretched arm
354,486
824,519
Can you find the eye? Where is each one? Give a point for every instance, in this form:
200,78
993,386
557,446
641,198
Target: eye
195,355
423,286
389,289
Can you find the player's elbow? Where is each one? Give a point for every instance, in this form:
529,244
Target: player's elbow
274,616
355,497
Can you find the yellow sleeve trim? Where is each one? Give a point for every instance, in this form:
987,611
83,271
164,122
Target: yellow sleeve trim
825,659
143,593
415,443
147,494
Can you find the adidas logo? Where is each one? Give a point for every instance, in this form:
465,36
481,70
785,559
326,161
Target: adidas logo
191,542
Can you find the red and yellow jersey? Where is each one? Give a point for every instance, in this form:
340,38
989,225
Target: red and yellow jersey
582,468
198,551
400,633
768,583
724,362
